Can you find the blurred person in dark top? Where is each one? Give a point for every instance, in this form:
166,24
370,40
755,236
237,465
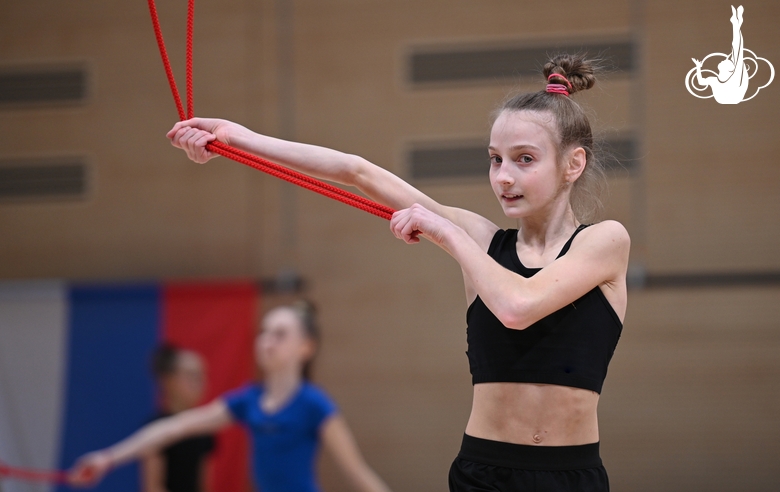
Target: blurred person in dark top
182,466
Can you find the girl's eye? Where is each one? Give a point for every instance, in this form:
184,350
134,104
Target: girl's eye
526,159
494,159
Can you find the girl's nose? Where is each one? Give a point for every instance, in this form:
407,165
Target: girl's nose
503,176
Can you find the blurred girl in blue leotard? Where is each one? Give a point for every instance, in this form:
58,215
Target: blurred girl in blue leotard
287,417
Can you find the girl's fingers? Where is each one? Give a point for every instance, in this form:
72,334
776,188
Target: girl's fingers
205,139
175,129
199,123
405,226
193,141
83,475
408,224
192,137
175,136
182,136
411,232
399,222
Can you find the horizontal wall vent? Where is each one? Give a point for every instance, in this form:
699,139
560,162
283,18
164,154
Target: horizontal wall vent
42,85
43,178
448,160
473,64
710,279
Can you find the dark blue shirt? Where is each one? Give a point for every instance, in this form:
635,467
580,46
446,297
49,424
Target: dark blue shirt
285,442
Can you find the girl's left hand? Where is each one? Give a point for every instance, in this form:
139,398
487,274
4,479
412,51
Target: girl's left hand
90,469
408,224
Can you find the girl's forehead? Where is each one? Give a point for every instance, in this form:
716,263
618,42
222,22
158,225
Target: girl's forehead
513,128
280,319
189,361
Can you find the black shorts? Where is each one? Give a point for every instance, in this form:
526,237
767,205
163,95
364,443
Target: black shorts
493,466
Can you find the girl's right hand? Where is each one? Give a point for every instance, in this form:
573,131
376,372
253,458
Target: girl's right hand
193,135
90,469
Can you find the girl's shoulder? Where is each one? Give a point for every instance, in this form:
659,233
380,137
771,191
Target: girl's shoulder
316,396
248,391
314,391
242,400
606,231
606,239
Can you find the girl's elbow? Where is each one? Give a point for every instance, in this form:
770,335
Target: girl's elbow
354,171
515,322
515,317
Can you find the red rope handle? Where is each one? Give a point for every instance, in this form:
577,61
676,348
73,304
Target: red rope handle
246,158
56,476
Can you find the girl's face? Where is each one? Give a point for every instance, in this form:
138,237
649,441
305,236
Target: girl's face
282,343
187,383
524,170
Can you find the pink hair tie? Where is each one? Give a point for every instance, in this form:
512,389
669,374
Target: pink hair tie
559,88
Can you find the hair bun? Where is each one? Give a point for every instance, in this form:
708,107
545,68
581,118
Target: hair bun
305,308
575,68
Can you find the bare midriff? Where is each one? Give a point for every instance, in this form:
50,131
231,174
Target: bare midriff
534,414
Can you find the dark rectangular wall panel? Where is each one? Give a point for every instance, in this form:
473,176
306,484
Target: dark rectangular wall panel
711,279
474,64
449,160
22,179
42,85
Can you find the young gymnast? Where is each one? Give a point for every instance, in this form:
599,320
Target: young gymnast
287,418
546,300
182,466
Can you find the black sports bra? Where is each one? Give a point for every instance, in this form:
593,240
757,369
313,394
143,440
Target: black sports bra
570,347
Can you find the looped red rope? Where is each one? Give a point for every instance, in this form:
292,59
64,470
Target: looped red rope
246,158
56,476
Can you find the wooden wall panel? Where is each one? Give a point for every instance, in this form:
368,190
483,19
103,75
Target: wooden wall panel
692,398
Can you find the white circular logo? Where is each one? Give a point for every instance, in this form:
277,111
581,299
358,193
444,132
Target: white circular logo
730,83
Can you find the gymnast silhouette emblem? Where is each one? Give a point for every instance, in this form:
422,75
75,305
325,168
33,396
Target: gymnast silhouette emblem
730,84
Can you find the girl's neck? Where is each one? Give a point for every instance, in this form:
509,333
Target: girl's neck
280,386
536,231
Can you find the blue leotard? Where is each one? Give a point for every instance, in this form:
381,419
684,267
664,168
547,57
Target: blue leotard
284,443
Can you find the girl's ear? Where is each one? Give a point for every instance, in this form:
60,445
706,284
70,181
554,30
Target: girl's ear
309,349
576,159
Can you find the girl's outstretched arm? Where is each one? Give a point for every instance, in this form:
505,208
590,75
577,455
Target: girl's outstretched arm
340,443
323,163
91,468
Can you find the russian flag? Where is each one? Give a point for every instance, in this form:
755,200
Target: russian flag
75,373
